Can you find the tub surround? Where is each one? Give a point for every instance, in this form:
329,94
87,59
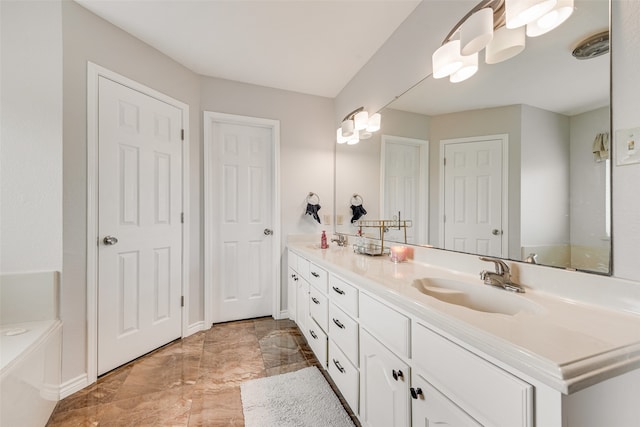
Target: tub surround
30,347
562,341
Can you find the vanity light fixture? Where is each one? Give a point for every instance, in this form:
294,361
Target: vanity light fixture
357,125
498,26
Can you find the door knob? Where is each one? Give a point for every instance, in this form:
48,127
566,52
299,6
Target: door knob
110,240
496,232
268,232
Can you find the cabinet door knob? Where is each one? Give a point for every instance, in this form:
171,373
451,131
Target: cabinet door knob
313,334
338,290
415,392
397,374
314,274
338,365
338,323
315,301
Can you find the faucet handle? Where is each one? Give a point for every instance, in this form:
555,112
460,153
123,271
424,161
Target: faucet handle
501,267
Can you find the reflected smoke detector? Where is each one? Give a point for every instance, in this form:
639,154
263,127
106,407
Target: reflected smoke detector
593,46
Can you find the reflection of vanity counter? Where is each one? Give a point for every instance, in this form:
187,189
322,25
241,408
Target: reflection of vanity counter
559,345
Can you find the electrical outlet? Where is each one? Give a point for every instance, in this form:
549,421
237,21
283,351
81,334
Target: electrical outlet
627,146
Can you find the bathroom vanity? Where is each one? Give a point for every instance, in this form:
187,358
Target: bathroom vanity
415,343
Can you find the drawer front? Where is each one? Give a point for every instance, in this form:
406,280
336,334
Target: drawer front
317,341
488,393
344,331
344,295
388,325
345,375
318,277
303,267
319,307
292,260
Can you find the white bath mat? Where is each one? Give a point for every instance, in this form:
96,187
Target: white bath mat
298,399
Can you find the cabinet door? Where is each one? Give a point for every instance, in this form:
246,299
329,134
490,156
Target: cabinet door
302,306
429,407
384,385
292,291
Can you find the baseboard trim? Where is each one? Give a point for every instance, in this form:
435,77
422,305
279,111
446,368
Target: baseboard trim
284,314
195,327
73,385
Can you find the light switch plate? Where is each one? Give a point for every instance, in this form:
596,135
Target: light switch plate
627,146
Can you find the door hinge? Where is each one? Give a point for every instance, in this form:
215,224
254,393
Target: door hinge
182,134
444,218
182,217
444,161
182,301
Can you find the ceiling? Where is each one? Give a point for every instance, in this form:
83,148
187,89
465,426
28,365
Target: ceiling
307,46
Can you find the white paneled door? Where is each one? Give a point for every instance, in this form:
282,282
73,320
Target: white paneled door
240,201
139,224
473,197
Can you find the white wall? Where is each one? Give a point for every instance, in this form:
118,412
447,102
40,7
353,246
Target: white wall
31,151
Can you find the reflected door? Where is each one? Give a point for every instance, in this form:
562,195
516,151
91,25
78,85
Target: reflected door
473,196
139,224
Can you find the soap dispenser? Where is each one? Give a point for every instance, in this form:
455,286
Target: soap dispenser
323,240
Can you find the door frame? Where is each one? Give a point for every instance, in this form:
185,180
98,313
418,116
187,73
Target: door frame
504,138
210,217
423,180
94,72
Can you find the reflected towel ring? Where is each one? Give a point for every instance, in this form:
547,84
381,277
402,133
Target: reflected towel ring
310,198
356,200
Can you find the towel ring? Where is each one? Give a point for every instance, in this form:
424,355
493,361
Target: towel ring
310,197
356,200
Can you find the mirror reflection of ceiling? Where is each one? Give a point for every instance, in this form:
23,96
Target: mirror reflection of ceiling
544,75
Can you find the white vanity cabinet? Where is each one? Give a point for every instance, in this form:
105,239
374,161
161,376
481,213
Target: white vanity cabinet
384,385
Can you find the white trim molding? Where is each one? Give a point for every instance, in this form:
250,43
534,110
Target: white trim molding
209,227
73,385
94,72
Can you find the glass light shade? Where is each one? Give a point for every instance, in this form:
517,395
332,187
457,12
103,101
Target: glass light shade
522,12
469,68
364,134
354,139
361,119
552,19
446,60
506,44
374,122
339,138
347,128
476,32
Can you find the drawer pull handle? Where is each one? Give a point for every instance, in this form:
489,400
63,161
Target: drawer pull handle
315,301
338,323
314,274
313,334
397,374
338,365
415,392
295,279
338,290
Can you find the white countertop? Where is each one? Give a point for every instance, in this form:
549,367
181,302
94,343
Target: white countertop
565,344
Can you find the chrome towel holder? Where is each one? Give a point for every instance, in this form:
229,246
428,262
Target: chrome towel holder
356,200
310,198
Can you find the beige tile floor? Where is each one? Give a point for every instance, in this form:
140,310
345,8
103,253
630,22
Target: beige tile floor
190,382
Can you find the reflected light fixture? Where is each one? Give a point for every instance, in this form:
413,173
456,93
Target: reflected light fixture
498,26
357,125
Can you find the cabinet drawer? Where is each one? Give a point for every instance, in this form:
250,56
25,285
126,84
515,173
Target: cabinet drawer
319,307
317,341
344,331
303,267
292,260
344,295
488,393
388,325
318,277
345,375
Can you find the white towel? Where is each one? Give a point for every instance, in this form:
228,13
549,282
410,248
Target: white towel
601,147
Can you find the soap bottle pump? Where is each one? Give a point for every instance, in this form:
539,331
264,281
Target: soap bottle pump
323,240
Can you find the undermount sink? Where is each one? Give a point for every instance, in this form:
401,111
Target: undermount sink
476,297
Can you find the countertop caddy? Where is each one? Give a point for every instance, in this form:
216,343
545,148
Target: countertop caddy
560,346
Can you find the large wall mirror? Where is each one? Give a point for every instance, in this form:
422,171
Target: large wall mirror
536,118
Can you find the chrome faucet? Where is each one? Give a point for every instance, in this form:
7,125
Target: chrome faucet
340,239
502,276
